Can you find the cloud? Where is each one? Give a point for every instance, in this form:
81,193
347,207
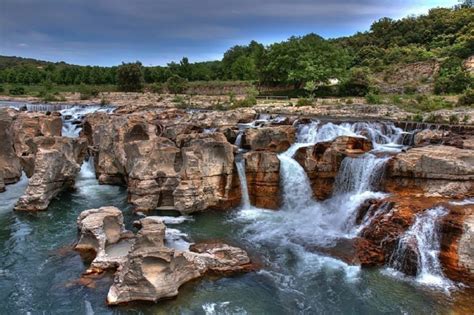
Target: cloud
109,31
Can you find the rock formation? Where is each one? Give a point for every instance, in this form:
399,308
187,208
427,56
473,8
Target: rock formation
262,171
147,270
164,163
322,161
434,171
57,162
275,139
208,174
103,237
10,166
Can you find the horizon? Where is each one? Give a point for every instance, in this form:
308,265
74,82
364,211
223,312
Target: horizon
106,34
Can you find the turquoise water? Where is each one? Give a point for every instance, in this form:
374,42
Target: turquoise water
38,269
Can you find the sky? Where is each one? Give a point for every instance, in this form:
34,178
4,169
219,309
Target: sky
155,32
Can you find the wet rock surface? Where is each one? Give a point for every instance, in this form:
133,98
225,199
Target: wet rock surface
147,270
322,161
275,139
263,179
433,170
57,162
10,166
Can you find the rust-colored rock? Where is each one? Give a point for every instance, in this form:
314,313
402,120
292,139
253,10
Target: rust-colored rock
263,179
433,170
322,161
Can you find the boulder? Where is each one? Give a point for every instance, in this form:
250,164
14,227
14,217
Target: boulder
2,183
434,170
262,170
457,239
103,238
322,161
208,174
57,162
275,139
10,166
152,167
152,271
29,125
428,136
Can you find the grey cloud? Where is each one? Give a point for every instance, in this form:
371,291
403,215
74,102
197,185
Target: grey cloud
107,31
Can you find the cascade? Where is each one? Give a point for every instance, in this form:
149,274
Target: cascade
72,117
240,163
297,192
360,174
423,237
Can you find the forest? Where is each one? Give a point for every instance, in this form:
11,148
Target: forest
444,34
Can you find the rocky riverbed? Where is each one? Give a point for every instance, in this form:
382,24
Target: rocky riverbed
288,205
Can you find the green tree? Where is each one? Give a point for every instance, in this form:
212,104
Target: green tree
130,77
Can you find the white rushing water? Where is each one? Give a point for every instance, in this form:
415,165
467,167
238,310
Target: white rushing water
72,118
240,163
360,174
423,238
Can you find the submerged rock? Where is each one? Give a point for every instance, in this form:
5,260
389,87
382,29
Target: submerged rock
57,162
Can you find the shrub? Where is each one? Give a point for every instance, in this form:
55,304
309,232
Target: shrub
410,89
2,89
130,77
156,88
373,98
87,92
176,84
428,104
358,83
417,117
397,100
454,119
434,118
17,90
349,101
467,99
452,78
304,102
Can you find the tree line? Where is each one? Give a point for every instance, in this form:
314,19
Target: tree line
446,34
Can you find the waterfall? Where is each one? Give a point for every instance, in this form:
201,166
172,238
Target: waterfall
360,174
423,238
297,191
240,163
73,116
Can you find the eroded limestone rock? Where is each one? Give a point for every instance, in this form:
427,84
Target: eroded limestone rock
322,161
433,170
275,139
10,166
262,171
57,162
103,237
208,179
152,271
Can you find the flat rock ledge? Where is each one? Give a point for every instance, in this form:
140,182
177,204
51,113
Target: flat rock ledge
147,270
